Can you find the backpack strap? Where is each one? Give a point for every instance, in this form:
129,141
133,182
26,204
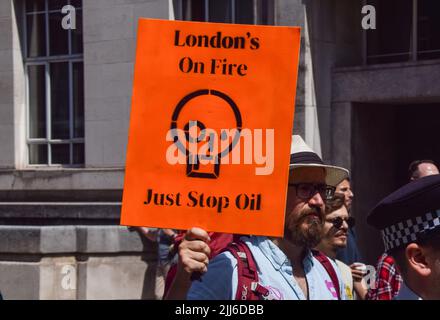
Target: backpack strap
324,260
248,287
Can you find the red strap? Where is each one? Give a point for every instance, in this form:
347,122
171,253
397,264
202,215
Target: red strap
252,266
330,270
248,287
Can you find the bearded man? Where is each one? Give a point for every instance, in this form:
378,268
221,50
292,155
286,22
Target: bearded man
286,267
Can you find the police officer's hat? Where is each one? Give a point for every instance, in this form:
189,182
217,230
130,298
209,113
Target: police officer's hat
408,214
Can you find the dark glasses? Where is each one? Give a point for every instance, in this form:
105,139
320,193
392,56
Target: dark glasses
306,191
338,222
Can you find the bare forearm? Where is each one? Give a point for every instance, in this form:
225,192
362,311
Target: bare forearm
360,290
194,255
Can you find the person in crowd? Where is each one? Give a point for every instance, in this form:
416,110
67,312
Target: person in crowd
422,168
388,278
350,254
282,268
335,232
165,254
344,188
409,221
218,242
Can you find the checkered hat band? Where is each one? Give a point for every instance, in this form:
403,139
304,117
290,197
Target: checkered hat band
406,231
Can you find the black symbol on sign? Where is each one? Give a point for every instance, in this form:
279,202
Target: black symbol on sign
193,167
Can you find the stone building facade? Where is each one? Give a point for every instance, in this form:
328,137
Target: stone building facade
366,99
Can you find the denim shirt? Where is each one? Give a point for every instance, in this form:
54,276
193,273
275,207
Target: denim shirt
275,272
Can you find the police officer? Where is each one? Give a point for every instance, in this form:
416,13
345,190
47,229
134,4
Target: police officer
409,221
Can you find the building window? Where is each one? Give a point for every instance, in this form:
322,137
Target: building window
55,84
406,30
428,29
226,11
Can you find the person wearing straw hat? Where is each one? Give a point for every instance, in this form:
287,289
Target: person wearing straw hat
287,269
409,222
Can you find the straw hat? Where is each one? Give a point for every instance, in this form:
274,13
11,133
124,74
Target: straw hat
301,155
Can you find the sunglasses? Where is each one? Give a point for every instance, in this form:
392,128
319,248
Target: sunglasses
338,222
306,191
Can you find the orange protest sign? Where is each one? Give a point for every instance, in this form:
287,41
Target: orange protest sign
210,127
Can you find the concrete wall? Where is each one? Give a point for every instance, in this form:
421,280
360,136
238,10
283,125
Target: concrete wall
39,237
293,13
73,251
109,50
56,223
75,262
6,86
12,88
331,36
335,41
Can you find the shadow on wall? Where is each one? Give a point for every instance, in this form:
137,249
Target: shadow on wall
153,282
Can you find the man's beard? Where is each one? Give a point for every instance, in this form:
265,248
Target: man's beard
306,231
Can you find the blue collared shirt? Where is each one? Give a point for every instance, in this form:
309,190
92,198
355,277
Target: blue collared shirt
275,272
